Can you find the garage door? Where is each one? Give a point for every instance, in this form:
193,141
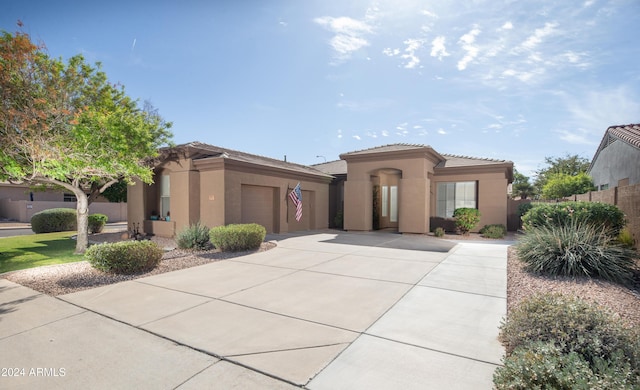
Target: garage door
258,206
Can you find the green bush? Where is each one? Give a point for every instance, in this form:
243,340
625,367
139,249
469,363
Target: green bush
545,366
558,214
97,222
466,219
625,238
438,232
54,220
494,231
125,257
523,208
576,249
195,236
573,325
238,237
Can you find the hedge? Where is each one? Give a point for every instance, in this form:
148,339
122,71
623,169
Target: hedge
238,237
54,220
125,257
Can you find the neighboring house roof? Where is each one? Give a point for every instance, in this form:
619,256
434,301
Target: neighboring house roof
629,134
200,151
337,167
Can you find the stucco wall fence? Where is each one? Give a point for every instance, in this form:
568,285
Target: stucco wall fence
23,210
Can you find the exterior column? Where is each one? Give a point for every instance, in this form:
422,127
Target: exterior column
358,205
414,205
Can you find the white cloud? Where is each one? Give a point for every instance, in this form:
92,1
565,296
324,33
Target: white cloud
339,133
390,52
538,35
577,137
413,45
357,137
349,34
471,50
507,26
438,48
429,13
441,131
384,133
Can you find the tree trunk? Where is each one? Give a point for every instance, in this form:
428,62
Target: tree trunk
83,222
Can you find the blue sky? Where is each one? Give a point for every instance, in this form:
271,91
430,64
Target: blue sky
513,80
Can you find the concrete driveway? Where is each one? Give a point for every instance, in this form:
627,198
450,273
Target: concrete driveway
320,311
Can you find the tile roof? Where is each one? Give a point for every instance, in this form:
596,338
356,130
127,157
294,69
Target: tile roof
387,148
627,133
201,150
337,167
453,160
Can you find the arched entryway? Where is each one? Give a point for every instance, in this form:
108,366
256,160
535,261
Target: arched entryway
385,197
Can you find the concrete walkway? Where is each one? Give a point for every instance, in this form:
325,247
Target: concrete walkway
321,311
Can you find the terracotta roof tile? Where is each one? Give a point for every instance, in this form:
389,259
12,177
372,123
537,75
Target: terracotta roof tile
453,160
202,150
627,133
337,167
386,148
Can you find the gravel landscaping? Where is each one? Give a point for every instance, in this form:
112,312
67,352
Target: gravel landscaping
67,278
71,277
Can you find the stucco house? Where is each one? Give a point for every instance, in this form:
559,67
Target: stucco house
616,162
402,187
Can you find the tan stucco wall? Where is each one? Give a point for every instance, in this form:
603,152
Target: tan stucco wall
211,192
315,200
413,193
492,195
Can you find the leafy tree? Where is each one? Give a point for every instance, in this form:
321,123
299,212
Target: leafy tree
569,165
561,185
116,193
521,186
65,125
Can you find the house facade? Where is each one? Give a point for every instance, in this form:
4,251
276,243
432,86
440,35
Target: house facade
405,188
616,162
217,186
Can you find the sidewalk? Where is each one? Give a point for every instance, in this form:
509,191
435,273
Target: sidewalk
314,313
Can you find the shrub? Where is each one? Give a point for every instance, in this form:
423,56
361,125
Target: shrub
572,325
577,249
54,220
494,231
523,208
466,219
558,214
625,238
544,366
338,220
125,257
195,236
97,222
238,237
438,232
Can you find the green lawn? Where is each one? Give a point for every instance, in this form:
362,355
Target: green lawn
36,250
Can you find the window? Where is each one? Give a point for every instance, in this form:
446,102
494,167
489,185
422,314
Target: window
69,197
385,200
604,187
393,212
454,195
165,195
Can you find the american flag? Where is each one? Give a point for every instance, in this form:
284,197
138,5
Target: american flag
296,198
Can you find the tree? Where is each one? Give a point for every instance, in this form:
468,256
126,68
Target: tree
561,185
569,165
65,125
521,186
